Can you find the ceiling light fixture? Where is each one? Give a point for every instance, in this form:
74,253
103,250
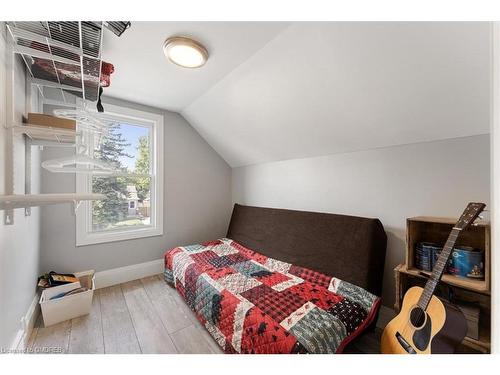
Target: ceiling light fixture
185,52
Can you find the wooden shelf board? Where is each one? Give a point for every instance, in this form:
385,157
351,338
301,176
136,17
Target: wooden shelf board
483,344
444,220
479,286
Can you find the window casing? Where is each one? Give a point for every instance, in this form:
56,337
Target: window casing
88,231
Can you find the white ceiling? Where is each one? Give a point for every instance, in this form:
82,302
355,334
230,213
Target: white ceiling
275,91
143,74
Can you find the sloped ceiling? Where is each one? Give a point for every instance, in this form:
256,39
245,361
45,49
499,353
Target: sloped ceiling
323,88
143,74
276,91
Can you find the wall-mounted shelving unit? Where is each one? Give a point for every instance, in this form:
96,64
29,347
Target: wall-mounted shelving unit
65,56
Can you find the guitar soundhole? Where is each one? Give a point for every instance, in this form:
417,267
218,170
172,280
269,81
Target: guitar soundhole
417,317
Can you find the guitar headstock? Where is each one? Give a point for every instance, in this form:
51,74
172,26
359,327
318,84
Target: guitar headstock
470,214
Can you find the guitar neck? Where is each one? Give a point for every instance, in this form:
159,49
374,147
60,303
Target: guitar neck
438,269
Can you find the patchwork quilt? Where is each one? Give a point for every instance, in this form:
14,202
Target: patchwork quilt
251,303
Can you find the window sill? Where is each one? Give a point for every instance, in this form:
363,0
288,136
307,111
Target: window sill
112,236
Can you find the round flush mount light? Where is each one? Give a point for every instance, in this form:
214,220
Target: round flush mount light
185,52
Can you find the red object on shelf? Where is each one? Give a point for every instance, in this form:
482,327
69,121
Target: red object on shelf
106,70
69,74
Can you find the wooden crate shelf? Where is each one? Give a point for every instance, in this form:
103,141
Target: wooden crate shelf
436,230
465,290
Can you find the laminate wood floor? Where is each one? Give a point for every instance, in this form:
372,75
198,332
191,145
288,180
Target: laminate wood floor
142,316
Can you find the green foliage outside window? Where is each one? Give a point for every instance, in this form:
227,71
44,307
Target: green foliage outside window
114,207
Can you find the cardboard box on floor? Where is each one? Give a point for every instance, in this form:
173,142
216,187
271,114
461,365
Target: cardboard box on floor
68,307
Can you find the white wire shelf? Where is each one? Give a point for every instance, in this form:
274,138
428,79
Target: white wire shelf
8,202
85,119
47,135
65,55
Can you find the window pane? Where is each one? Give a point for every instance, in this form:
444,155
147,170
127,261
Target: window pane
127,203
127,148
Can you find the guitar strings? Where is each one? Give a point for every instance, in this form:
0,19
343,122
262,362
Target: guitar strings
422,312
452,237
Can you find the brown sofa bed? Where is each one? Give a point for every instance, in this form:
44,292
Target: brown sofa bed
283,281
348,247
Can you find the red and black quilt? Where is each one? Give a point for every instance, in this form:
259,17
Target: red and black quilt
251,303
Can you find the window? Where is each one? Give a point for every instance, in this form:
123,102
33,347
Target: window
133,206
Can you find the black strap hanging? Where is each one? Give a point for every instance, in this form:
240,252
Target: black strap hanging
100,108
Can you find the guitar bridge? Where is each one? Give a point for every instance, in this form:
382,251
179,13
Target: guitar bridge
405,344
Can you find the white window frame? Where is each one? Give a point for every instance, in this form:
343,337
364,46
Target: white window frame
84,233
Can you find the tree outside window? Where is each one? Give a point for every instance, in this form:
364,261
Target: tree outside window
128,191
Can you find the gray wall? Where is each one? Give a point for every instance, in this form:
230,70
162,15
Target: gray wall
435,178
197,205
19,246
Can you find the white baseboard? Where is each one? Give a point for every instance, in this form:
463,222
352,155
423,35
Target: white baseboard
16,343
27,323
120,275
385,315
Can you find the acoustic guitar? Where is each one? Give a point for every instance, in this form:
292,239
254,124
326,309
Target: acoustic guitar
425,324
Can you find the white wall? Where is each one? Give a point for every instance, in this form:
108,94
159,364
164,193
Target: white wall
435,178
197,205
495,185
19,245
